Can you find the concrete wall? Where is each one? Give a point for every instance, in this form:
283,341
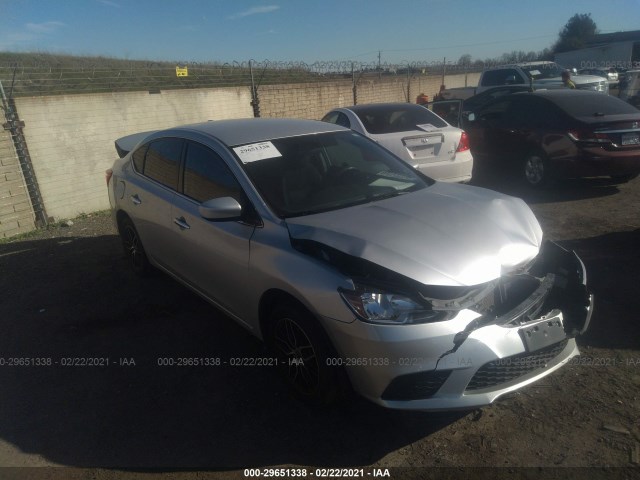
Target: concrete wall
71,137
16,213
305,100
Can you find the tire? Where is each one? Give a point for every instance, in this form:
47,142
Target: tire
536,170
623,178
303,351
133,248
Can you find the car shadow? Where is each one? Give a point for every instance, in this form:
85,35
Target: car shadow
491,176
71,303
612,261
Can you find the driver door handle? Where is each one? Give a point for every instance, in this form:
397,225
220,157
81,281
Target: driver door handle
136,199
182,223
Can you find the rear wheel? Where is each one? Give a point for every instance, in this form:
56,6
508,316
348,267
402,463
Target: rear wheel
133,249
304,352
536,170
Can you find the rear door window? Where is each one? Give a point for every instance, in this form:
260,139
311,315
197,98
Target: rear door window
533,112
495,112
162,161
138,158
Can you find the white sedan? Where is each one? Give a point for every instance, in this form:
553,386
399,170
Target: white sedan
415,134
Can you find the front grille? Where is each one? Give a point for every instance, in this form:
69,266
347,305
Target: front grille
600,86
415,386
506,369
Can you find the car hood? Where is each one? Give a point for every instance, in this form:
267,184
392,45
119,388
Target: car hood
445,234
577,79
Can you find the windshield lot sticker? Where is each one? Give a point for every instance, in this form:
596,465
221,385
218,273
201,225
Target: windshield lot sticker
257,151
427,127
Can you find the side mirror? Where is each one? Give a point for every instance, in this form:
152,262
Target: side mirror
223,208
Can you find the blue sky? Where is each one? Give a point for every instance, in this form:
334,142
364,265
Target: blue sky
298,30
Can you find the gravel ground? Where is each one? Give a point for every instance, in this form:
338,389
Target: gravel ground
67,292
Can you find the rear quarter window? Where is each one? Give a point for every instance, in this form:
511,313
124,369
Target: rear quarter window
337,118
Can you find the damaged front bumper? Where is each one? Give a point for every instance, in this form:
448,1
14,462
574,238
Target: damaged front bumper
522,331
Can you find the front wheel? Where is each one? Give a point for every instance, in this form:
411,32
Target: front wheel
303,351
536,170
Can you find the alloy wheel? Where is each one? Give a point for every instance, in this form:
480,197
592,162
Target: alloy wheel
133,248
298,355
534,169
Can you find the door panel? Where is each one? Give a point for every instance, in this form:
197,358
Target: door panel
212,256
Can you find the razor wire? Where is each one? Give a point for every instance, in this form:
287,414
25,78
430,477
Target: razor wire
50,75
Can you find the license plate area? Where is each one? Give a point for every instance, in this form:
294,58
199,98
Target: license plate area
422,140
632,138
544,332
424,146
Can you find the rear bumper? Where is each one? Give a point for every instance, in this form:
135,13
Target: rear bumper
596,161
459,169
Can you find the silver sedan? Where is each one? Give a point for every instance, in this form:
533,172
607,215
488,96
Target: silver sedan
354,267
415,134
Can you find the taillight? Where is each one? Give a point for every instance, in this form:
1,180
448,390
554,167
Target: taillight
464,143
107,175
588,136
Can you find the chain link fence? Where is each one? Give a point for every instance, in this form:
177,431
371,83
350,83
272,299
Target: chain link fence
61,114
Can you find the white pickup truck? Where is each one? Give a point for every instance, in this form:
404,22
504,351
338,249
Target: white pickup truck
539,75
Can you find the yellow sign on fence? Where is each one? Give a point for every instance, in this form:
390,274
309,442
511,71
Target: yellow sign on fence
182,72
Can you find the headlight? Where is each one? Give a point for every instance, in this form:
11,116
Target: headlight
376,305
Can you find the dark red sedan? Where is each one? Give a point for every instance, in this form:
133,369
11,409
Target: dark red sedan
550,134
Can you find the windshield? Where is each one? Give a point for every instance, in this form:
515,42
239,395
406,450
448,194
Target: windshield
543,70
315,173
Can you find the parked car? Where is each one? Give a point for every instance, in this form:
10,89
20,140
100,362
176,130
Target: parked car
535,75
415,134
462,108
609,73
354,267
559,133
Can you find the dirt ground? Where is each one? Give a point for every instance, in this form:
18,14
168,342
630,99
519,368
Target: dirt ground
66,292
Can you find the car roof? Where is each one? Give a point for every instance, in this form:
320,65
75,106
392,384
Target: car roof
580,103
253,130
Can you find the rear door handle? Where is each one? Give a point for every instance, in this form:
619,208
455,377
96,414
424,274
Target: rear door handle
136,199
182,223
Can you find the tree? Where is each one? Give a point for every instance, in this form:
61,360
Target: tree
576,33
464,60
